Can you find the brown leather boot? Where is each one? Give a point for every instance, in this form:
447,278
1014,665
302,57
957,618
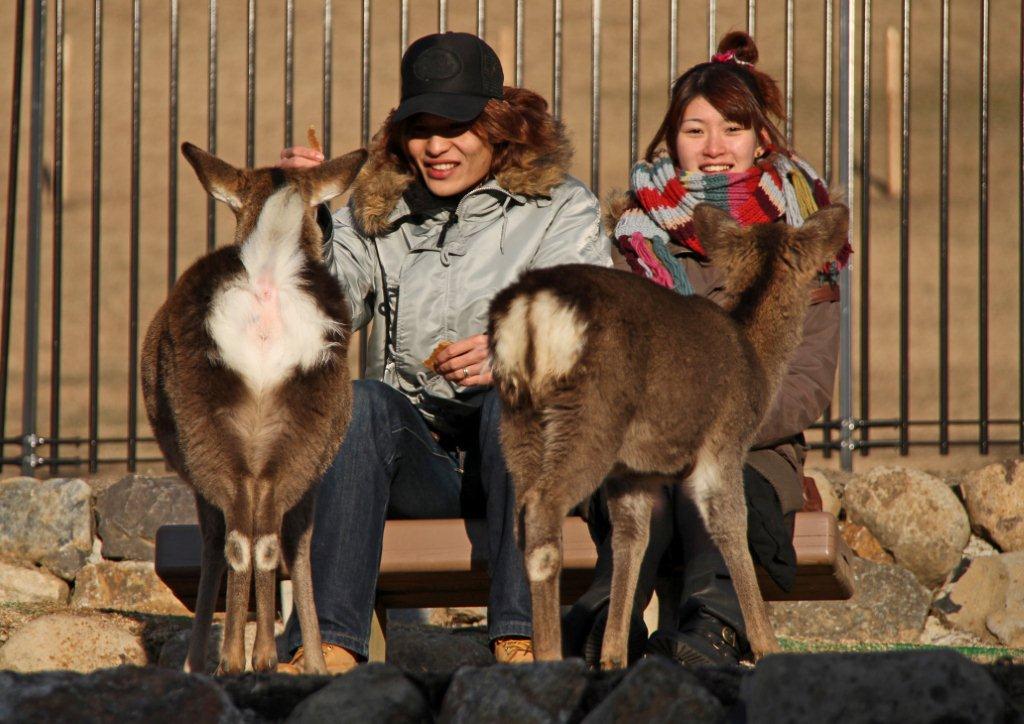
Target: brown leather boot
339,660
513,650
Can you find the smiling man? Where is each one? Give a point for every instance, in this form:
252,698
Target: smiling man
466,187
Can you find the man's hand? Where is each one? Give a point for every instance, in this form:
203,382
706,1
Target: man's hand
465,362
300,157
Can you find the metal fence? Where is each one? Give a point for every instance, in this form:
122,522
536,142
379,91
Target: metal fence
114,86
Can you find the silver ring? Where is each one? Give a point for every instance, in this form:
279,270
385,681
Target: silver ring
465,372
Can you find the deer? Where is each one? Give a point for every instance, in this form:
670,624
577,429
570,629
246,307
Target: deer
246,385
606,378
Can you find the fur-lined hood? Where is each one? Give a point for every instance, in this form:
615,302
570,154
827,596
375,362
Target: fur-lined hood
380,184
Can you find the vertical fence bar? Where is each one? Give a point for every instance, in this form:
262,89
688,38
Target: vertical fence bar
133,255
442,16
905,240
595,101
12,212
172,150
250,84
481,18
865,225
58,232
519,41
634,80
983,430
328,48
364,127
35,174
826,168
556,70
712,30
752,17
790,121
94,235
289,69
847,66
403,28
944,234
211,123
1020,246
673,43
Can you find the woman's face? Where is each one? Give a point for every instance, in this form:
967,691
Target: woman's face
709,143
450,157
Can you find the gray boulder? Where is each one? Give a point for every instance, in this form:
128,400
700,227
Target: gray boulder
72,643
913,515
24,585
370,693
977,591
898,686
888,604
66,561
994,496
125,586
129,512
40,518
420,648
657,690
125,694
544,692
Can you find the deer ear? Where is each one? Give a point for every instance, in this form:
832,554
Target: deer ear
823,234
220,179
333,177
717,231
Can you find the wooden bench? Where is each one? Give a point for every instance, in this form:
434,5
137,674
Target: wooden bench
435,563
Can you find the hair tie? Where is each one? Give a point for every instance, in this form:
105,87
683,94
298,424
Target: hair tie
728,56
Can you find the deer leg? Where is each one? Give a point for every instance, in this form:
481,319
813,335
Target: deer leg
718,488
629,505
298,534
266,554
211,524
238,552
542,553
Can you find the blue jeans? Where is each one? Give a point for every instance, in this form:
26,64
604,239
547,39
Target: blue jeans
390,466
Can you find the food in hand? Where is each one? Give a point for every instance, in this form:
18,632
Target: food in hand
431,362
314,142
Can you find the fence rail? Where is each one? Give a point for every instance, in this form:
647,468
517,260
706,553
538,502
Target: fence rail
926,347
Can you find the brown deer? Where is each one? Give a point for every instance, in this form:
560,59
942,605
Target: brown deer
246,384
607,377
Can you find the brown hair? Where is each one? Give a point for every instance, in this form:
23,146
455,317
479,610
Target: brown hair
737,90
519,127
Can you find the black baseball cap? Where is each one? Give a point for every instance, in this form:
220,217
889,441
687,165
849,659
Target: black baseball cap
451,75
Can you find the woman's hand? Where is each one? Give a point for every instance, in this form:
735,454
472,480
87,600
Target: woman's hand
300,157
465,362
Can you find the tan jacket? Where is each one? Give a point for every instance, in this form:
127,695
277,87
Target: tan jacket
803,395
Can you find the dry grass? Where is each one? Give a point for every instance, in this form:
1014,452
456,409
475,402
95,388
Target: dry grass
808,91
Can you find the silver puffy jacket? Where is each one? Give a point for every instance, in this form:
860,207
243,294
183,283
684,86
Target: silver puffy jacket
441,291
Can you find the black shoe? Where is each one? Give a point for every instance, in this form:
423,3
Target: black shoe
634,648
703,640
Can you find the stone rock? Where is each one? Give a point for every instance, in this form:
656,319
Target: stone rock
272,697
544,692
18,583
978,547
121,695
1014,564
657,690
831,502
66,562
125,586
74,643
371,693
129,512
938,632
912,514
39,518
896,686
994,496
863,543
420,648
888,605
1008,626
174,650
977,590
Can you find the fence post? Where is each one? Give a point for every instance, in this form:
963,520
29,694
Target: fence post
30,440
847,10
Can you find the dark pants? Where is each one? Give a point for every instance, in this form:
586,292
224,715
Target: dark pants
680,540
390,466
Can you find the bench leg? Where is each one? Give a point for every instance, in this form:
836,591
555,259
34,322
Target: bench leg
378,634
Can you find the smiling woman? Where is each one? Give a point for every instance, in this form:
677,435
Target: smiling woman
466,187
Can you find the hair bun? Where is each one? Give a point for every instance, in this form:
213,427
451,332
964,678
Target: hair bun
741,44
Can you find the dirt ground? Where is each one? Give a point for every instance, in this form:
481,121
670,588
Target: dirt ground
876,258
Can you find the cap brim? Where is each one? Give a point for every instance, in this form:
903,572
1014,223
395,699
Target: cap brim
455,107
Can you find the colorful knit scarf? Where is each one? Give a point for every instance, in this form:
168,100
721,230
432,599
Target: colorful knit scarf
779,187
